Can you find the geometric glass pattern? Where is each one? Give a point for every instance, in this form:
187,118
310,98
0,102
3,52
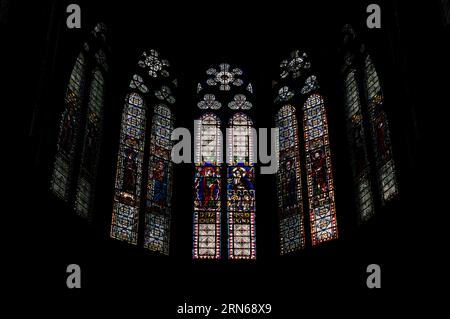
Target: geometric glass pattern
381,139
91,147
295,65
310,85
124,224
207,186
240,103
290,208
319,171
138,83
240,188
154,64
224,77
159,185
358,150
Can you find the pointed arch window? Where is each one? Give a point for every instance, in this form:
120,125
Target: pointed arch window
124,224
224,86
298,86
91,146
241,189
367,123
322,211
207,184
80,130
358,150
381,136
69,130
289,189
143,190
159,186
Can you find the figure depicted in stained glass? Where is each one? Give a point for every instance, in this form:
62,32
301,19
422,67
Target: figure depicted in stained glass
68,135
129,175
207,187
160,179
241,178
69,124
290,187
381,139
319,173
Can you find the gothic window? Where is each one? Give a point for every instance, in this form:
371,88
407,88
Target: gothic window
296,73
381,138
124,224
80,131
358,150
289,190
224,86
91,146
207,184
143,190
159,186
240,188
68,131
321,204
367,122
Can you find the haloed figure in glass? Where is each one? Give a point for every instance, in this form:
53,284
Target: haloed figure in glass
160,179
207,187
129,174
290,188
319,173
241,179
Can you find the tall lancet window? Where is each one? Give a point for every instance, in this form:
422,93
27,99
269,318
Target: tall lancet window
143,190
366,122
68,130
74,175
322,213
207,184
358,150
297,93
124,224
159,185
240,188
381,137
289,186
224,86
91,146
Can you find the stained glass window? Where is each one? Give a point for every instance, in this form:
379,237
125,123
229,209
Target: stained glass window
138,83
322,212
224,85
159,186
295,65
380,133
207,185
290,209
241,189
224,77
154,64
124,224
358,150
156,195
284,94
209,102
240,103
310,85
165,94
68,131
91,147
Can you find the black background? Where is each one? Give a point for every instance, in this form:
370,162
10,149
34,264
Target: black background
409,50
